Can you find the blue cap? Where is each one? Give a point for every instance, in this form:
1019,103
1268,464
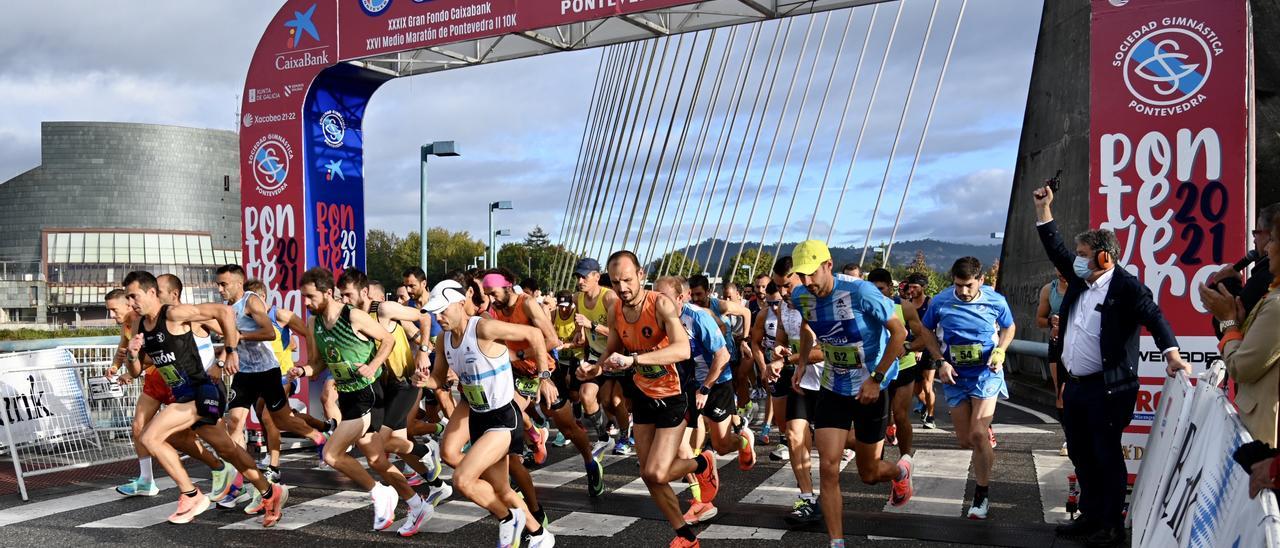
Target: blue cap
586,266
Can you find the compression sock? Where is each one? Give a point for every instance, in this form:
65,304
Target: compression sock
420,449
980,494
145,473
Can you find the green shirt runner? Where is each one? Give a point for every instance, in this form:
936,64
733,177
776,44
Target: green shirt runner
344,351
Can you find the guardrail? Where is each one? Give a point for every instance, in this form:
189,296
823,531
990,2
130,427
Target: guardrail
60,413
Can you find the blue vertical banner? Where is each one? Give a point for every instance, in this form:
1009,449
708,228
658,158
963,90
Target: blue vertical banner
334,155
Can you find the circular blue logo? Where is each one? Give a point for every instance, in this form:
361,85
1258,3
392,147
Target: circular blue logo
333,127
375,7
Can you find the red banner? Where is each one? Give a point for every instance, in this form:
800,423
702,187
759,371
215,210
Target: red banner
1169,159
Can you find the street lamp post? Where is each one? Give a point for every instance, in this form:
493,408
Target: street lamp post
438,148
494,206
496,233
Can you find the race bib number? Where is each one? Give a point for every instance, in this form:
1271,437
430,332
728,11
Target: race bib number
527,386
474,394
966,354
844,357
342,371
169,374
651,371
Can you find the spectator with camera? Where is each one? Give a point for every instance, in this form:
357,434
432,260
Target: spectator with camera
1260,277
1100,320
1250,343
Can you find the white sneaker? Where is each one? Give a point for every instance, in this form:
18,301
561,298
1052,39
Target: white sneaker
440,494
543,540
847,456
781,452
980,511
509,531
384,506
415,519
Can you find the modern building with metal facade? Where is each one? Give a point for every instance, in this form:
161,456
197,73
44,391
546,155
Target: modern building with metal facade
108,198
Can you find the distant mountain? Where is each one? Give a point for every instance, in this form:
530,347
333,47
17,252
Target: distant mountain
940,255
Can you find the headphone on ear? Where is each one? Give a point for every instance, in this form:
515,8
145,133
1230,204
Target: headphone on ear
1104,259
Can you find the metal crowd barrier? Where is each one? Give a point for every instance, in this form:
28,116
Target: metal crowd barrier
60,413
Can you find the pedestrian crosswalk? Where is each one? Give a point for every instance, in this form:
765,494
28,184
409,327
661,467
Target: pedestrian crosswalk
940,478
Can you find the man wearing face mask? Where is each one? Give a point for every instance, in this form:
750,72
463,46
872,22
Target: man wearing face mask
1100,319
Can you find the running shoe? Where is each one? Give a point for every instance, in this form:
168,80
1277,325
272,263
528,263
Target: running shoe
235,496
272,476
189,508
979,511
902,488
510,529
681,542
1063,452
623,447
595,476
414,479
384,506
600,446
700,512
747,449
544,539
780,453
613,431
928,423
415,519
559,440
836,543
765,432
265,461
709,479
138,488
273,506
891,435
846,456
432,461
992,435
437,495
320,447
255,505
538,438
804,513
329,427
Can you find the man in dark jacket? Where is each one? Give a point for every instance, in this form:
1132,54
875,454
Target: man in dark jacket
1101,317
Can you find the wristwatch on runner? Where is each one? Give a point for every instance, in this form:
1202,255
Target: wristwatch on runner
877,376
543,375
704,390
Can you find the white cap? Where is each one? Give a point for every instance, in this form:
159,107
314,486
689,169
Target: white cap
442,295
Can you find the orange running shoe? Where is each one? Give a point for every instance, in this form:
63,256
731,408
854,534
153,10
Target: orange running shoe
274,504
189,508
709,479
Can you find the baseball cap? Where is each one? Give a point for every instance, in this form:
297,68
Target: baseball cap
444,294
586,266
564,298
809,256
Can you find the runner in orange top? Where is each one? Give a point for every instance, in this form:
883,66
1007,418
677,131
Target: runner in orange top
647,337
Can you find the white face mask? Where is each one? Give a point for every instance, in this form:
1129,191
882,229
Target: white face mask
1082,268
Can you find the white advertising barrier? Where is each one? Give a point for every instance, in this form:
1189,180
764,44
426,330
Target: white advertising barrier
41,397
1189,491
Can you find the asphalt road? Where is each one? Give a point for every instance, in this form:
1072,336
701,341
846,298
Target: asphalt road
1027,494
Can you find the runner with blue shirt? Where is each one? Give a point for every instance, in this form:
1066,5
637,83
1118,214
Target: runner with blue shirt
975,326
861,338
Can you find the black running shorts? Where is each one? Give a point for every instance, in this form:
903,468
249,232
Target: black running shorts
836,411
506,418
246,388
402,398
366,401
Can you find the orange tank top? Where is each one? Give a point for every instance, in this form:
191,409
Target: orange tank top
647,335
521,357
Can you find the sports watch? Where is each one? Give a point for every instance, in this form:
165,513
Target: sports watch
877,376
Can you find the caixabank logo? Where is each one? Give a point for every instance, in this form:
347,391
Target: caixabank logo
302,33
1165,65
269,160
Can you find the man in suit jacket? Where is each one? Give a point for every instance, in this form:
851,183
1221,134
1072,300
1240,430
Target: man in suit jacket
1100,320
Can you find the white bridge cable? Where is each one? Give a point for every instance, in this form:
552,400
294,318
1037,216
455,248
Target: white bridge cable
642,150
609,60
732,177
713,183
608,150
813,135
588,124
693,172
844,112
777,132
750,55
684,131
924,133
662,153
665,202
866,118
625,154
897,135
696,160
625,60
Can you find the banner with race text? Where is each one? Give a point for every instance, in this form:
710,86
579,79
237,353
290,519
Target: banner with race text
1170,90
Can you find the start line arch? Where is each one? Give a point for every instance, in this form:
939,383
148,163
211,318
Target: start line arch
319,62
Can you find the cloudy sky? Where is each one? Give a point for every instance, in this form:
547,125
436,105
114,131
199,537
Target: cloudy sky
519,124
